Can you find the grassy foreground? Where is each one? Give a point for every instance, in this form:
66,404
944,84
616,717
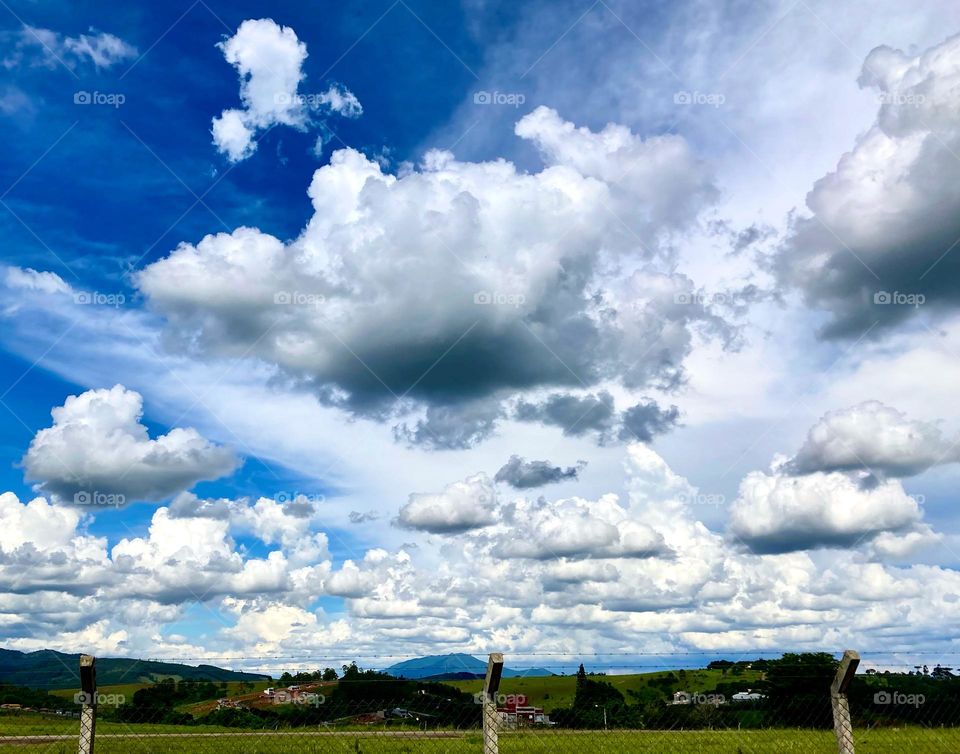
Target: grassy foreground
199,741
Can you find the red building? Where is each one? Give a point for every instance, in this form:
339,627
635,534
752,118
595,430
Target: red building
516,713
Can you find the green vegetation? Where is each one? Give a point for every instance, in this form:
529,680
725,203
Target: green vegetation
557,691
883,741
327,675
47,669
34,698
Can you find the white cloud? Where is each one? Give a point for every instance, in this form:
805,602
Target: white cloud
97,444
875,438
779,513
575,528
518,267
269,60
32,280
576,583
233,136
104,50
37,522
50,48
342,101
461,506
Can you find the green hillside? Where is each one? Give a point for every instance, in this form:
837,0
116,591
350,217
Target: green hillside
557,691
47,669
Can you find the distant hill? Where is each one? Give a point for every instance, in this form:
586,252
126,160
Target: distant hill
457,667
46,669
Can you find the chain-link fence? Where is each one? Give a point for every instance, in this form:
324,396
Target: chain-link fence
788,706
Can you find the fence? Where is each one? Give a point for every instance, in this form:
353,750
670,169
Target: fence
797,710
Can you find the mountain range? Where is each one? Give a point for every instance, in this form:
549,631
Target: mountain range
453,667
47,669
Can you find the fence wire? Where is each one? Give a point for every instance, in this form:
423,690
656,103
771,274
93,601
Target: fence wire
733,711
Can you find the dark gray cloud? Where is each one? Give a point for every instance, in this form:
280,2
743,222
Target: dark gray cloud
299,508
523,474
576,415
452,427
579,415
645,420
187,505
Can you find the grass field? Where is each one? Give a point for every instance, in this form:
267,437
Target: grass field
198,741
551,692
127,690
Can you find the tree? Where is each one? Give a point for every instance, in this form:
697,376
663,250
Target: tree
797,688
329,674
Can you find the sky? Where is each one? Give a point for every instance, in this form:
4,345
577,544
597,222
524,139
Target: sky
557,329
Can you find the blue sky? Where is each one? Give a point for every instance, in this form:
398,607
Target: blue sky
643,249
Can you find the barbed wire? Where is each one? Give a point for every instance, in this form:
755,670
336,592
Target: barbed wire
719,655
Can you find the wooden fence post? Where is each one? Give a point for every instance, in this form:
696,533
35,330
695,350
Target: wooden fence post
842,726
491,720
88,697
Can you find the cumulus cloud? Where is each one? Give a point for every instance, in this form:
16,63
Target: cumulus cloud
461,506
781,513
39,46
523,474
612,569
289,525
576,528
97,444
269,59
875,438
43,549
885,221
443,292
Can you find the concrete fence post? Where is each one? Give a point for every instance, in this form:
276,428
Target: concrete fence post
491,720
88,698
842,726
